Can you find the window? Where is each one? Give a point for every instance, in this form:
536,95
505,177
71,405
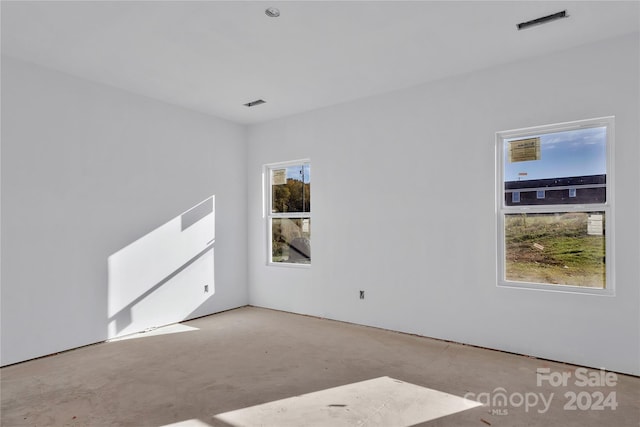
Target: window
289,218
556,233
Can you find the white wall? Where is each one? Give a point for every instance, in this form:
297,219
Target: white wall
87,170
403,194
164,276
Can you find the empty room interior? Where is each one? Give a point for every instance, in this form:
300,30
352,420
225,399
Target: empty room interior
465,174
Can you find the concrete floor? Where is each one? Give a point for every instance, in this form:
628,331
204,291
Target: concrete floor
251,356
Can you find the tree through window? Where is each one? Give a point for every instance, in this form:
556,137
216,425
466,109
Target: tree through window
290,213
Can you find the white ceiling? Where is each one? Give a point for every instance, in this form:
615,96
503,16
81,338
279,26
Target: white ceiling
214,56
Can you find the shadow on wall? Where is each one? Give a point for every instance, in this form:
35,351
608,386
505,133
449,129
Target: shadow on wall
163,277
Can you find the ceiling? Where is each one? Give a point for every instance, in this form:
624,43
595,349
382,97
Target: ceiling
215,56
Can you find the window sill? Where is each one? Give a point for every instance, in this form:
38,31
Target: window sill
289,265
567,289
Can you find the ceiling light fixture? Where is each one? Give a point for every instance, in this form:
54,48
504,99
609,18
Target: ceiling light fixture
543,20
272,12
254,103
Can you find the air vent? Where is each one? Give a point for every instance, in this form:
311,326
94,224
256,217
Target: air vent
254,103
543,20
272,12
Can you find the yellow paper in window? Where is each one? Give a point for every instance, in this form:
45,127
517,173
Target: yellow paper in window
279,176
524,150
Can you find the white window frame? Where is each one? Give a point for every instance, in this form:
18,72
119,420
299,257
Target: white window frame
270,215
608,207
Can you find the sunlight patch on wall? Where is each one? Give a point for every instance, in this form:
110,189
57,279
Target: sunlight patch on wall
154,332
163,277
194,422
380,402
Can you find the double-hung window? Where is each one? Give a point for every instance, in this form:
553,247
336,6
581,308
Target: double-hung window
289,213
555,221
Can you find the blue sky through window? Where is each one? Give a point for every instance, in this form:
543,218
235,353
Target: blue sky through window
294,172
562,154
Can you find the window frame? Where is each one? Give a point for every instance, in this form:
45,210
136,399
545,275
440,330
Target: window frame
269,215
502,209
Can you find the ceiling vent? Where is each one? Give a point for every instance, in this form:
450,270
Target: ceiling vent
272,12
254,103
543,20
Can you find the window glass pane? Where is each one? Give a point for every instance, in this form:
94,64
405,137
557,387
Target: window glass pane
290,189
291,240
554,161
556,248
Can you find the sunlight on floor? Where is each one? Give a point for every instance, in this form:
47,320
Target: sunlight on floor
383,402
165,330
188,423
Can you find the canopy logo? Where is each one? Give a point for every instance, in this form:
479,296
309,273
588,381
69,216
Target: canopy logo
585,399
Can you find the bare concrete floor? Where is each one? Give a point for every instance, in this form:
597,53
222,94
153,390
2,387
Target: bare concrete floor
251,356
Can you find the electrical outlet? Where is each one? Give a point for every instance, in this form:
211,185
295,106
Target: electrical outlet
361,294
206,288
